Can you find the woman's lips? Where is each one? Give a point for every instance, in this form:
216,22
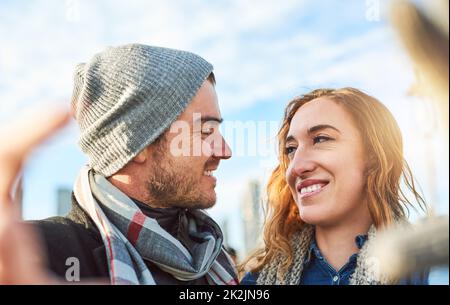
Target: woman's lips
306,195
311,187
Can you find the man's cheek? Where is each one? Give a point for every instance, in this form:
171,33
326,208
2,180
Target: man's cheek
207,148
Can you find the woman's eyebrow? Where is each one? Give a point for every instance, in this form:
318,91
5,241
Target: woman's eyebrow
321,127
290,138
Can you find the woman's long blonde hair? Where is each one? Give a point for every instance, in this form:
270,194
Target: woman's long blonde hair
383,144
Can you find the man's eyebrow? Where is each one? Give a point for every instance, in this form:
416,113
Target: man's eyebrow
321,127
208,118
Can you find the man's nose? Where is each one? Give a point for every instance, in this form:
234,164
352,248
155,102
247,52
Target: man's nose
221,149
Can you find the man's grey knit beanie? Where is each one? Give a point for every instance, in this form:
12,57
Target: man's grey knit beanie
127,96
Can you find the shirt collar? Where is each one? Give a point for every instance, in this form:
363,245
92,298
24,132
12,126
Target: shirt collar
360,240
314,250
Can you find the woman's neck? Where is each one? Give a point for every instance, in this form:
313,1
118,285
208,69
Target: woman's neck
337,243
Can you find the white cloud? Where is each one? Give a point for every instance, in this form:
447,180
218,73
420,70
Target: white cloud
42,41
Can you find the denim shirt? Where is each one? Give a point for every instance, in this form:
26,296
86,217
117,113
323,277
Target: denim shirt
317,271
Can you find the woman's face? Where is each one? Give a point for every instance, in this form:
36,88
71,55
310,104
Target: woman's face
327,165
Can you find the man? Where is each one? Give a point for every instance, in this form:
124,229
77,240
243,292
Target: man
137,208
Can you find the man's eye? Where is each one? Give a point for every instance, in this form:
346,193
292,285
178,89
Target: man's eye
207,131
320,139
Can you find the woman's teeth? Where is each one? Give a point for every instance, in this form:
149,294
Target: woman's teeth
311,188
208,173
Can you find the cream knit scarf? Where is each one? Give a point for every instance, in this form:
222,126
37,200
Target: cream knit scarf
366,272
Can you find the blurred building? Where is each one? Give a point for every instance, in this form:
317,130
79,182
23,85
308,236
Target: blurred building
224,225
252,216
64,202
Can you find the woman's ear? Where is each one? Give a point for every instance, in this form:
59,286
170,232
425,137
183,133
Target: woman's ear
141,157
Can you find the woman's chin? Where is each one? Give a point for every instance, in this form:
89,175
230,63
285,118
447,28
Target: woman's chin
313,215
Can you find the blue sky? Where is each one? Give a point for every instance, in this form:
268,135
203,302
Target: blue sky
264,53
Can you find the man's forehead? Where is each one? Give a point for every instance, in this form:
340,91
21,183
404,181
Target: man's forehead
204,106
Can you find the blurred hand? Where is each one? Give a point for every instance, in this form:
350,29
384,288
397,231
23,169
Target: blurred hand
21,257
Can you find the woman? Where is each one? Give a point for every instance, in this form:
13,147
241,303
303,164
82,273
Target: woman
337,184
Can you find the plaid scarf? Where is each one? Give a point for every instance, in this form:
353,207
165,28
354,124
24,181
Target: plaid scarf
130,237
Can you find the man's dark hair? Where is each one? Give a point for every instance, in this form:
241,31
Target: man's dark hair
212,78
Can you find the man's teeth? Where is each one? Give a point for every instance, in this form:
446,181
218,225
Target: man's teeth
208,173
311,188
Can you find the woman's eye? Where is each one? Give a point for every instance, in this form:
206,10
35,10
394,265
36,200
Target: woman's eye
320,139
289,150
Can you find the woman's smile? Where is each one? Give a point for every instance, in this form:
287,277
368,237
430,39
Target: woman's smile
310,187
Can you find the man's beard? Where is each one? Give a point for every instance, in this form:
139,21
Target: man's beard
174,185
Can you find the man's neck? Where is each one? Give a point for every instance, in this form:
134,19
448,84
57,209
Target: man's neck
133,189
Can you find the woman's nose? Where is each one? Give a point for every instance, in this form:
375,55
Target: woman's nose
302,163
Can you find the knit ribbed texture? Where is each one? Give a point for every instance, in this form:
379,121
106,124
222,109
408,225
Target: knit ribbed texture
127,96
366,271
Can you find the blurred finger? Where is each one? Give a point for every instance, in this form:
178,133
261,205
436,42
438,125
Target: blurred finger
19,137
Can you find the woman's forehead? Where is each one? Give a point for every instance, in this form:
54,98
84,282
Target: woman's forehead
320,111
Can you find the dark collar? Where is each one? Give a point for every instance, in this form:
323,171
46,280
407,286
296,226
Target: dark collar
315,251
79,216
167,218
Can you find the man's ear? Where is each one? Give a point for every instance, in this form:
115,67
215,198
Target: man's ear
141,157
